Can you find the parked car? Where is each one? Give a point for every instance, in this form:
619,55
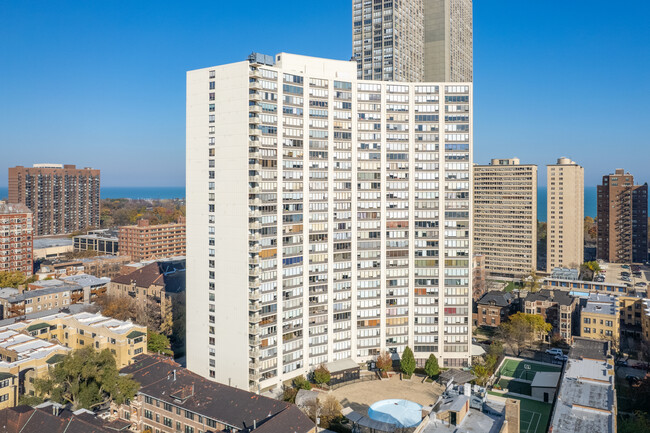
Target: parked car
632,379
562,358
555,351
621,363
641,284
625,266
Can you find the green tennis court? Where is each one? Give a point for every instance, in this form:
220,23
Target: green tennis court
515,386
522,369
534,415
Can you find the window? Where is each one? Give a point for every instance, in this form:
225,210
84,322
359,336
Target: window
148,399
189,415
167,421
4,397
137,351
148,414
189,429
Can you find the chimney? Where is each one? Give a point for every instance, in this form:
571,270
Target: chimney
512,415
254,424
174,375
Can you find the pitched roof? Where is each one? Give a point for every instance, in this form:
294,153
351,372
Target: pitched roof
169,274
162,378
25,419
558,296
500,299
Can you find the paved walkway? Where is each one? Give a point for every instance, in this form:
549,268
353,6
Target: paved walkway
360,396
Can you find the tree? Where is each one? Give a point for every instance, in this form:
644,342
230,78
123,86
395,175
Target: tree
327,408
322,375
482,373
87,379
289,394
15,279
522,329
158,343
431,367
117,307
299,382
384,361
407,363
637,423
532,281
494,352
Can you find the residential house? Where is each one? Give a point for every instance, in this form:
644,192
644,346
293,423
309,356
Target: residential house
558,308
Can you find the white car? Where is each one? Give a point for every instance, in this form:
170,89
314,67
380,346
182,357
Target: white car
555,351
562,358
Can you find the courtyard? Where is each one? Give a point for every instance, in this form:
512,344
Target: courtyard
361,395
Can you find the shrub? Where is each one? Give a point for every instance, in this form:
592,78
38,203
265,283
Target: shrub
407,363
322,375
299,382
431,367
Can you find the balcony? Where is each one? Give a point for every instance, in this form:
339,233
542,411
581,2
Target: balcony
256,178
255,166
256,97
256,248
254,318
254,132
255,85
254,225
254,271
254,202
254,306
254,295
254,330
254,353
254,236
254,377
255,109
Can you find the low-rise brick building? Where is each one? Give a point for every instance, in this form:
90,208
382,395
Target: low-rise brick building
174,399
600,318
493,308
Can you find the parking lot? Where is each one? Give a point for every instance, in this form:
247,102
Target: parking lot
613,275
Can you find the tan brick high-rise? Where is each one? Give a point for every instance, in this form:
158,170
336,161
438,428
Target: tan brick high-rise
565,215
146,242
505,217
16,243
63,198
622,219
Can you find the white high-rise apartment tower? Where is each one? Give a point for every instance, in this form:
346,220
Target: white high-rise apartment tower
328,218
413,40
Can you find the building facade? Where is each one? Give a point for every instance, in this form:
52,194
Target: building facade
124,339
622,219
332,221
16,241
494,307
413,40
149,242
505,217
565,213
63,198
600,318
100,241
558,308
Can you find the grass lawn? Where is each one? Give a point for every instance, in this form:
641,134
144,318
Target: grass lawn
535,415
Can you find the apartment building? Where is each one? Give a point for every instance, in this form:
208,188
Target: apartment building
622,219
124,339
479,276
16,243
505,217
413,40
558,308
100,266
600,318
172,398
147,242
645,321
24,357
565,212
494,307
331,221
63,198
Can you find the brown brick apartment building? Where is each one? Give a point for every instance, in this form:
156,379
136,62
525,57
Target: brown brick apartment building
148,242
173,399
622,219
63,198
493,308
16,242
557,308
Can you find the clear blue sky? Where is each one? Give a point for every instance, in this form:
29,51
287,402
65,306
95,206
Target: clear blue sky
102,83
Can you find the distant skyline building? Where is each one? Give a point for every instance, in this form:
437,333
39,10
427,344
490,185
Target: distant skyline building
505,217
622,219
328,219
16,239
565,210
63,198
413,40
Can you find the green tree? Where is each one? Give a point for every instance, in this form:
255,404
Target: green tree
431,367
521,330
322,375
87,379
637,423
158,343
407,363
532,281
15,279
299,382
482,373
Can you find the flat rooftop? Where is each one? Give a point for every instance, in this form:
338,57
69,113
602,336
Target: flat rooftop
601,303
488,421
586,399
51,242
